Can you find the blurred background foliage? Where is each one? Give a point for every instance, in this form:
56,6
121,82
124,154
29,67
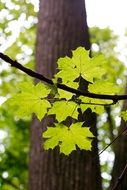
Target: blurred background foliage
106,42
18,21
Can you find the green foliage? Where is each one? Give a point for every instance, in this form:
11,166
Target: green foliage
32,100
68,137
64,94
18,32
63,109
80,65
43,100
93,104
124,115
13,158
104,88
104,39
106,42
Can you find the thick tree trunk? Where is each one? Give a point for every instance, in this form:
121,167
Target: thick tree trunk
62,27
120,154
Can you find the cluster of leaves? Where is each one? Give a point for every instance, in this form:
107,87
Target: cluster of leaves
103,39
46,100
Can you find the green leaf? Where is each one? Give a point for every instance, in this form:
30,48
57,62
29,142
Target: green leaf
31,99
63,109
88,68
92,104
80,65
65,94
68,138
124,115
103,87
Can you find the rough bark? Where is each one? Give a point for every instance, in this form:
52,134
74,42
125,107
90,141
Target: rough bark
62,27
120,154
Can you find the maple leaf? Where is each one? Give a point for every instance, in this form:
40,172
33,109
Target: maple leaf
80,65
31,99
92,104
62,109
96,105
68,138
104,87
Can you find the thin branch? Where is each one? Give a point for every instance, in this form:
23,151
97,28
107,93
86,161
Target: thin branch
114,98
113,141
79,102
91,103
120,178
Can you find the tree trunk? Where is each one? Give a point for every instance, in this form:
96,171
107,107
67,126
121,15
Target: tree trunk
62,27
120,154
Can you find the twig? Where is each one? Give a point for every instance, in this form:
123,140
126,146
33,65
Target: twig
94,104
113,141
120,178
114,98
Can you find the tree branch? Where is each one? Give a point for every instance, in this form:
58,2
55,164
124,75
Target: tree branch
114,98
113,141
120,178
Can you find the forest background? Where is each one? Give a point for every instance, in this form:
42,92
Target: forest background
19,43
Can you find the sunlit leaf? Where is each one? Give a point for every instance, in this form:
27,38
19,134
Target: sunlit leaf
68,138
31,99
124,115
63,109
80,65
91,103
103,87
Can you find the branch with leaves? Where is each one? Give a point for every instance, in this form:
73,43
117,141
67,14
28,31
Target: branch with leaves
53,98
114,98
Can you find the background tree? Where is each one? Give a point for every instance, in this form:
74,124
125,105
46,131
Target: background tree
62,27
12,154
